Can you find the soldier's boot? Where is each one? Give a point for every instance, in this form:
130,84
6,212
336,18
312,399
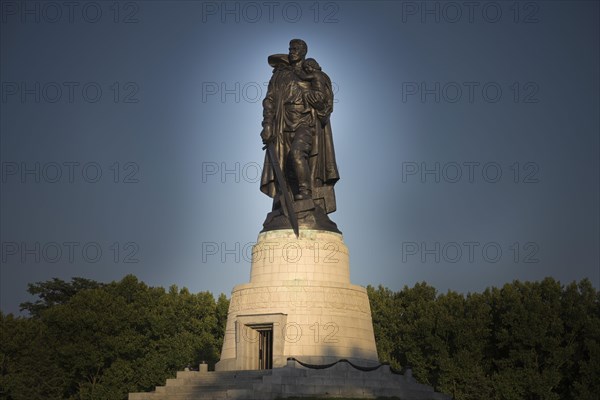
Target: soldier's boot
304,190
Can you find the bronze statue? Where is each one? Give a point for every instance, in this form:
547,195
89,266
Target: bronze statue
298,138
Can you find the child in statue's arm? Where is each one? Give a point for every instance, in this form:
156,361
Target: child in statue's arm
311,71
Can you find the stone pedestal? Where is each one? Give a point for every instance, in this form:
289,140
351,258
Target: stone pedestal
288,329
299,303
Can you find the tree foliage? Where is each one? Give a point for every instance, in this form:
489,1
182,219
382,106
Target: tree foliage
86,340
526,340
89,340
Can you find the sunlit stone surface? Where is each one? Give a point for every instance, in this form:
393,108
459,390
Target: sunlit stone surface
300,286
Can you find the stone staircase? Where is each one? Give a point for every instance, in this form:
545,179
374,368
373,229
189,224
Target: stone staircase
293,380
206,385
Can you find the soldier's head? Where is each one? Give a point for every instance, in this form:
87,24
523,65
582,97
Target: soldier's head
298,50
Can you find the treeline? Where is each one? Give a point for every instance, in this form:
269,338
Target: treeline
524,341
88,340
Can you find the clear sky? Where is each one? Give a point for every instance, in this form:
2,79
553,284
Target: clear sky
466,134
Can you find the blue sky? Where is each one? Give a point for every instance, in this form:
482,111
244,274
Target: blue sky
466,134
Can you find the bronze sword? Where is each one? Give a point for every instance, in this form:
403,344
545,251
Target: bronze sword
287,205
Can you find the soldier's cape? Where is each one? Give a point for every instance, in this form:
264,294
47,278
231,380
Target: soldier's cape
322,161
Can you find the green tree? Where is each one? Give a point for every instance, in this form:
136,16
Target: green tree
385,323
463,324
55,291
528,332
29,368
580,311
526,340
87,340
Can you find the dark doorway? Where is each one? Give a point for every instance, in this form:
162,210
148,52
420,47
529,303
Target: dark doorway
265,347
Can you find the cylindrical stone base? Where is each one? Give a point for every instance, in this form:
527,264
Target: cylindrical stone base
301,303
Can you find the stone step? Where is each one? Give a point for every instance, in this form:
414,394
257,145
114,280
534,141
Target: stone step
199,389
292,380
197,382
195,374
208,385
210,394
